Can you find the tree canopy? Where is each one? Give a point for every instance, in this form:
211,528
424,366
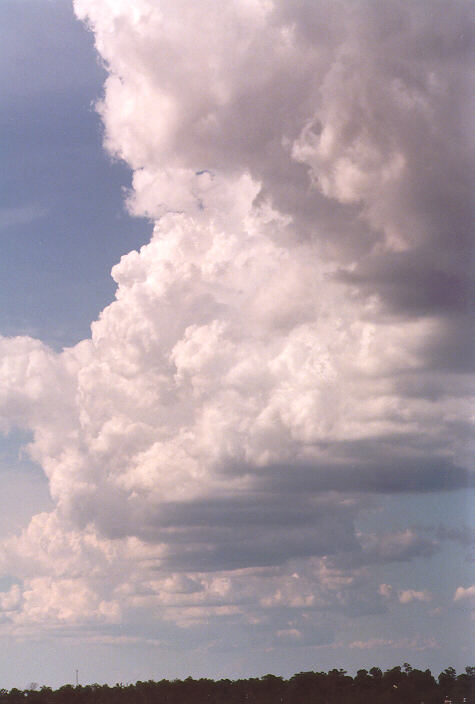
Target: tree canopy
398,685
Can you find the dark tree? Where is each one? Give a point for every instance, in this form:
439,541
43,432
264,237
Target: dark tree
398,685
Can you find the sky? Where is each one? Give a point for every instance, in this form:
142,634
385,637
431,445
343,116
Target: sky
235,338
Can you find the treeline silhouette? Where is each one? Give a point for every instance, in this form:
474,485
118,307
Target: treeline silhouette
399,685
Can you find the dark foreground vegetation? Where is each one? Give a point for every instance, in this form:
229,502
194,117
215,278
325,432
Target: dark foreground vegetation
399,685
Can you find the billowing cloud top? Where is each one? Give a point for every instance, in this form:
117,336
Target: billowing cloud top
294,335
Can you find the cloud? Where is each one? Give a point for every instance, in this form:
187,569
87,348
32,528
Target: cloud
9,217
465,594
49,601
306,637
377,199
270,355
404,596
418,644
407,596
462,535
10,600
384,548
385,590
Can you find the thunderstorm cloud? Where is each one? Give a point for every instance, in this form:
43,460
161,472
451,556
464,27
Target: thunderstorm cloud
291,342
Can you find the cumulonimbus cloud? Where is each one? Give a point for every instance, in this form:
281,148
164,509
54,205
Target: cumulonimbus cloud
291,333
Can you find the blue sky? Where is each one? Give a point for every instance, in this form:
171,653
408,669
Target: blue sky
258,459
63,220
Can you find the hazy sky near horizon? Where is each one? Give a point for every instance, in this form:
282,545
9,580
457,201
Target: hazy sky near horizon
248,449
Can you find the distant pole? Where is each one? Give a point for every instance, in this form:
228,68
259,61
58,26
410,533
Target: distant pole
77,677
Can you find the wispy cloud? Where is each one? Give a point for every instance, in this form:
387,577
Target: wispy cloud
418,644
22,215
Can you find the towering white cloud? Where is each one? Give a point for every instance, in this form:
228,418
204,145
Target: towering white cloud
290,335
